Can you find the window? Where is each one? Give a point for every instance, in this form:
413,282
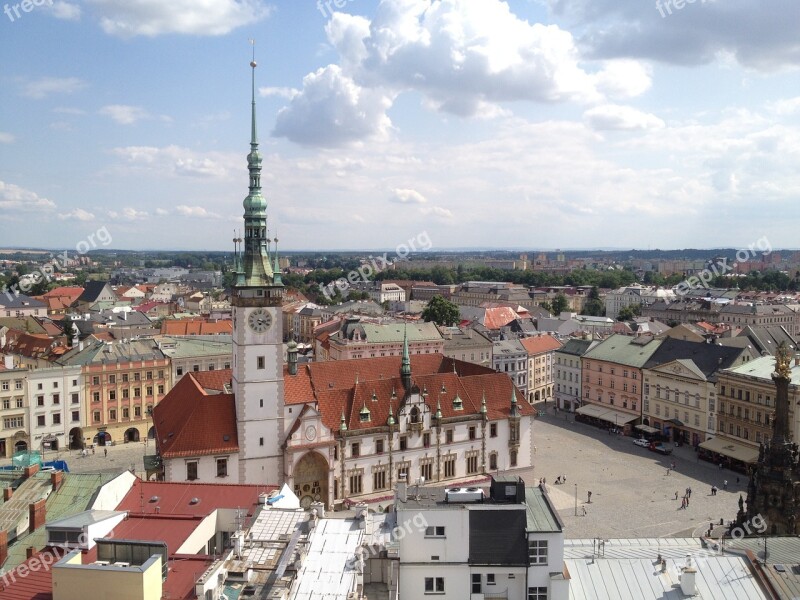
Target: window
434,585
403,442
40,421
261,362
191,470
472,433
222,467
493,461
96,416
18,383
355,483
537,552
149,375
513,458
76,416
179,371
476,583
125,393
426,469
39,400
426,440
379,479
137,392
472,464
448,436
75,399
6,386
378,446
161,373
112,379
57,419
493,430
125,413
434,531
149,390
402,472
124,378
6,403
160,389
14,422
490,579
449,466
112,414
95,380
355,450
537,593
112,394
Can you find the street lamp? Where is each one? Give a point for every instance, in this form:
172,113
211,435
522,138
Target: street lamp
576,499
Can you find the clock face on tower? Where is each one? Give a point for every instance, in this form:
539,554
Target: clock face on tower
259,320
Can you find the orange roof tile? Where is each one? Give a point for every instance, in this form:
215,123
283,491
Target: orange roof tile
540,343
497,317
191,422
195,327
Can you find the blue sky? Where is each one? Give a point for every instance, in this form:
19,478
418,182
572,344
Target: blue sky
531,124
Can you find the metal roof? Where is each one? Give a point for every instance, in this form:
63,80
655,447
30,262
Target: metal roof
624,350
83,519
541,516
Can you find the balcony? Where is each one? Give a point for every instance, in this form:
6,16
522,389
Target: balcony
418,426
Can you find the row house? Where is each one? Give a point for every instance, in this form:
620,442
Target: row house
304,321
192,354
55,409
511,357
541,349
746,408
761,315
567,375
13,412
636,295
20,305
612,376
122,383
468,345
358,339
680,392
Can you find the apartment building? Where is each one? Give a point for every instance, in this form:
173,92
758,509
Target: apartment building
541,349
55,409
13,412
567,375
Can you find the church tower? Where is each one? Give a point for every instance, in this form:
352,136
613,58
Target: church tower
256,298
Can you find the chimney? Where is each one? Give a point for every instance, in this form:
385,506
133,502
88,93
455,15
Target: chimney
3,547
7,493
402,491
30,551
688,576
56,478
38,514
30,471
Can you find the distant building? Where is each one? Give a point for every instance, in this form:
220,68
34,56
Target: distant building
21,306
568,372
468,345
632,295
511,357
357,339
541,349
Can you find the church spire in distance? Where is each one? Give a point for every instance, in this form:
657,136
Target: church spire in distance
256,268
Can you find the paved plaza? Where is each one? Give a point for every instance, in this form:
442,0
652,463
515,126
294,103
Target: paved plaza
632,495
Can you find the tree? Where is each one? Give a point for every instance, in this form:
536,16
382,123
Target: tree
594,306
441,311
559,304
627,313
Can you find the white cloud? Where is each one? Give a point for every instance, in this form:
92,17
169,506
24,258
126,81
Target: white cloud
786,106
332,110
67,110
195,211
45,86
282,92
16,198
77,214
179,161
191,17
160,212
407,196
65,11
124,114
127,214
6,138
437,211
615,117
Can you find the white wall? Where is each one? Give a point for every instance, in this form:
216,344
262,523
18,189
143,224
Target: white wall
111,494
175,468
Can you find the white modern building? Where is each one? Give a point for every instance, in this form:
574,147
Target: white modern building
567,373
469,543
55,409
618,299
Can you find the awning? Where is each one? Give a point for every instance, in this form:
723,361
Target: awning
617,417
676,422
731,449
591,410
606,414
647,429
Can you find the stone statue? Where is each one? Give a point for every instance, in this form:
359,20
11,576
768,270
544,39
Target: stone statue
741,503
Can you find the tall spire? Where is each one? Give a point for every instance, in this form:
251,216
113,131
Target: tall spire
256,264
405,368
514,407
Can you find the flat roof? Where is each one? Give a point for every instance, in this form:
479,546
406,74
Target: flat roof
540,514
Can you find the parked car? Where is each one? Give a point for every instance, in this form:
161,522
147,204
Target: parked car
642,442
660,448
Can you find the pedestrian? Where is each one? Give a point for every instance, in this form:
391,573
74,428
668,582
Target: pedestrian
725,485
673,465
584,511
683,503
737,480
589,497
668,470
105,452
689,490
720,466
676,495
563,479
92,448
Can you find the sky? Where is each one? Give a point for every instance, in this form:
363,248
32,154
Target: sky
528,124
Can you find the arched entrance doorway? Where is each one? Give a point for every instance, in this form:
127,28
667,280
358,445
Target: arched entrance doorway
21,446
76,438
103,438
151,433
311,479
131,435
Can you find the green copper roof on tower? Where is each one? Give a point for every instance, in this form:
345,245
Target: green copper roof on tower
405,369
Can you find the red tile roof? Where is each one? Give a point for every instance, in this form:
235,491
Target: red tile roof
68,291
25,344
213,381
497,317
195,327
190,422
539,344
29,584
